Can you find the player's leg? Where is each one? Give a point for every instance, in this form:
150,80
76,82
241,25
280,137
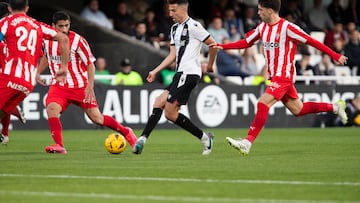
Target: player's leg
172,114
5,122
13,98
152,121
56,103
180,93
53,110
298,108
2,114
263,105
17,112
98,118
156,113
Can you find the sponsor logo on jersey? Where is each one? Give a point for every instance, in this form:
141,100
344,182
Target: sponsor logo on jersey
18,87
270,45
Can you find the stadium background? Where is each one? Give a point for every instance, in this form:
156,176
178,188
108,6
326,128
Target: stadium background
115,46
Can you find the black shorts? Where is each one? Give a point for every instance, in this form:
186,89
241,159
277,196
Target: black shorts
181,87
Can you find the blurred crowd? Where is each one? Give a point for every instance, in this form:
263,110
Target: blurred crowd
335,23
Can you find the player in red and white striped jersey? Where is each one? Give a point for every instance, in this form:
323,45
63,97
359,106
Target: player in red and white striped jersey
279,39
5,122
23,36
78,88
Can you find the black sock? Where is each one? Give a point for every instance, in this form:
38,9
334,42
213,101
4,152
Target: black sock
185,123
152,122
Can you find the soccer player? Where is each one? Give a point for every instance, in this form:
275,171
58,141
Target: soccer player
5,122
78,88
23,36
187,36
279,40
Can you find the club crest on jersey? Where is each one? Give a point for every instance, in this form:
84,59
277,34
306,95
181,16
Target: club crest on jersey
184,32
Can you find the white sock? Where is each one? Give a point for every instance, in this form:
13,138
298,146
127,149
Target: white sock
204,137
143,138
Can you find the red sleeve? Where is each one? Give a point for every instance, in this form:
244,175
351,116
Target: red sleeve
323,48
241,44
299,35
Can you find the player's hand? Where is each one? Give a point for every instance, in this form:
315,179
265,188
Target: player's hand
61,75
210,69
89,95
342,60
151,76
215,46
40,80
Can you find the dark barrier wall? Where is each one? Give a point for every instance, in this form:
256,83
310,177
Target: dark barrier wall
210,106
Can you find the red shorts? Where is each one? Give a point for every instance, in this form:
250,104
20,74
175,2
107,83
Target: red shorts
282,90
66,96
12,93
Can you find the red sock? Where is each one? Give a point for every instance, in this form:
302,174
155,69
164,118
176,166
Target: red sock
258,122
56,130
110,122
5,122
315,107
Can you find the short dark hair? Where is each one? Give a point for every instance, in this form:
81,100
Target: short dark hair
18,5
60,15
273,4
177,1
4,11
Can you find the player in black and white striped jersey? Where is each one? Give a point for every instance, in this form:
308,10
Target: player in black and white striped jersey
187,37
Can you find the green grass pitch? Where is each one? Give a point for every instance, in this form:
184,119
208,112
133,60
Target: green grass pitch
285,165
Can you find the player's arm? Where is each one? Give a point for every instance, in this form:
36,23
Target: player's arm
43,64
212,53
241,44
165,63
89,90
64,50
299,35
91,75
340,59
84,52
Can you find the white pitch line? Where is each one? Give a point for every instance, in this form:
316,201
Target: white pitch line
159,198
237,181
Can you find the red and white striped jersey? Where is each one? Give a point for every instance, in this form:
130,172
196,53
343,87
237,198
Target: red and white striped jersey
23,37
80,57
279,42
2,55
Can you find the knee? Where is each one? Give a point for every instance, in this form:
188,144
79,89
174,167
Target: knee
170,116
53,110
159,103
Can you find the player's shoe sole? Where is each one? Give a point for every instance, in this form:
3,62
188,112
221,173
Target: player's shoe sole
55,149
238,145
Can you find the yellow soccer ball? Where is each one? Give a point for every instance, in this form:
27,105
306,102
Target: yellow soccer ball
115,143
